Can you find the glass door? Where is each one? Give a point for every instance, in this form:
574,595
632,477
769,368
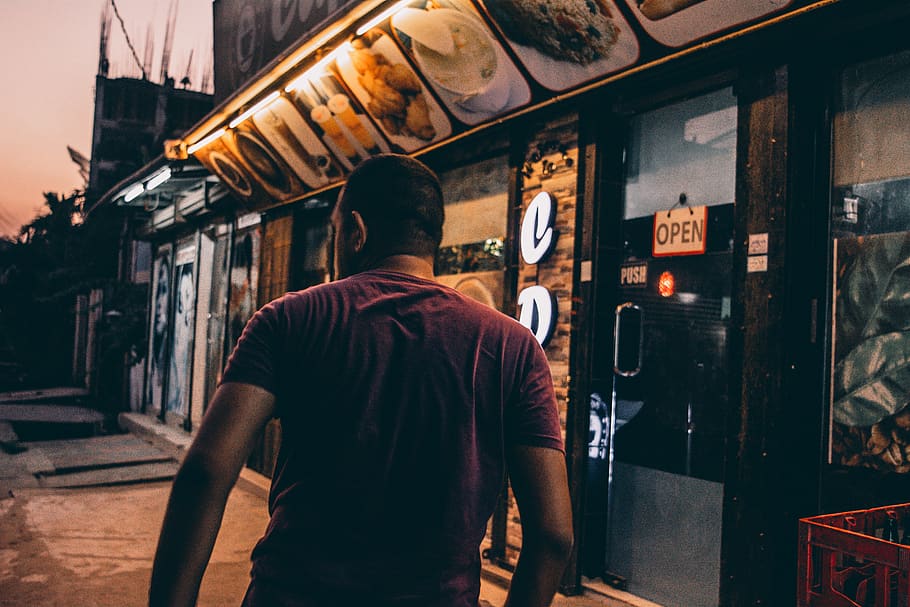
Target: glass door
657,443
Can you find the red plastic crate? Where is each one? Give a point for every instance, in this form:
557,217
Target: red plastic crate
844,562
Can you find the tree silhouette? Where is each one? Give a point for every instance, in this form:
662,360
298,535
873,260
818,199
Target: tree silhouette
57,256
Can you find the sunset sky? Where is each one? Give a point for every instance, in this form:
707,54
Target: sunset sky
49,59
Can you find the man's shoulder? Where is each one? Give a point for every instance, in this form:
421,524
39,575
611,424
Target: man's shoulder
312,292
495,321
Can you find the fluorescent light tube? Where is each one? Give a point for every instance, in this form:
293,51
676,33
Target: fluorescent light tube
262,104
205,141
158,179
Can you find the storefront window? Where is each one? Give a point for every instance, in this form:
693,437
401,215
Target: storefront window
686,150
471,256
870,367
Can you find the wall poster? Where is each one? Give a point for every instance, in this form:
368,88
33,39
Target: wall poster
870,382
217,321
244,281
178,385
158,327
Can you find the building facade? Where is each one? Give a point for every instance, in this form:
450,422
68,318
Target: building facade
699,208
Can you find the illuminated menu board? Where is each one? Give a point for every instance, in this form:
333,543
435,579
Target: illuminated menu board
435,68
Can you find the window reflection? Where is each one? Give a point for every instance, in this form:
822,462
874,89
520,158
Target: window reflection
870,378
685,149
471,256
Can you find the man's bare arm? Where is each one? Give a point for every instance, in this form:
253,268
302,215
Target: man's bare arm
226,436
541,489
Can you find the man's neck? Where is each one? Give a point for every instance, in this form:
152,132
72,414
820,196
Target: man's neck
406,264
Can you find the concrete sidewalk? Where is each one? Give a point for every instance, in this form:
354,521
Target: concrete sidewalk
79,521
495,580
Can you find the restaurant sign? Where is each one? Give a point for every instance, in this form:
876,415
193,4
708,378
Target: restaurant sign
537,306
249,34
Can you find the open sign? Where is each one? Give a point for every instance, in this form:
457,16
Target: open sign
680,232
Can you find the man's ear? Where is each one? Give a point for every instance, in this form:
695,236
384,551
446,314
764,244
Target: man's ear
360,231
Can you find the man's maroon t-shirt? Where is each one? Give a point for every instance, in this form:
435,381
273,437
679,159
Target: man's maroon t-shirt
398,398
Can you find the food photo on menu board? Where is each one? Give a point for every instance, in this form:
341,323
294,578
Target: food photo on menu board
676,23
563,43
461,59
381,79
263,163
338,119
219,159
222,158
287,132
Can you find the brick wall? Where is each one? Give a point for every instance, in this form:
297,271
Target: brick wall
551,140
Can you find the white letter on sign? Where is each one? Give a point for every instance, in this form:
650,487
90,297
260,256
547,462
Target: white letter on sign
537,229
537,312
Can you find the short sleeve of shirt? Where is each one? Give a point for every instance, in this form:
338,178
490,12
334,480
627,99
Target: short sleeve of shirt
254,359
534,420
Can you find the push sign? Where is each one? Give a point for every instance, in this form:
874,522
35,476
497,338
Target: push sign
633,275
537,306
680,231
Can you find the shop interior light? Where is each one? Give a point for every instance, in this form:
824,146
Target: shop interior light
382,17
205,141
258,106
133,192
158,179
316,69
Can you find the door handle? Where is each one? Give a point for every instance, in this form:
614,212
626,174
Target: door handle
627,349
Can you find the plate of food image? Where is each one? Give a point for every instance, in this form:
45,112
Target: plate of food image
381,79
285,129
219,159
563,43
263,163
676,23
338,119
463,62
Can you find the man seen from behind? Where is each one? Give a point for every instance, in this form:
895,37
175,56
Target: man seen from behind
402,403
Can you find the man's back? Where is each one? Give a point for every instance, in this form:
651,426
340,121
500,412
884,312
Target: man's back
400,402
398,399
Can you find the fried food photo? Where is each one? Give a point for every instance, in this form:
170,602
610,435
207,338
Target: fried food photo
396,94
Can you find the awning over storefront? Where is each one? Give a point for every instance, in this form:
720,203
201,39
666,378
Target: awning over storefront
412,75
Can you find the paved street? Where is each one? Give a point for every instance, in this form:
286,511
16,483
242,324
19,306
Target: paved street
79,521
93,547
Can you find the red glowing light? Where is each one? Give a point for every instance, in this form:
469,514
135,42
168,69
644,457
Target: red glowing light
666,284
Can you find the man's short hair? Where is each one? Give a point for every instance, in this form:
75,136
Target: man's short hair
400,200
